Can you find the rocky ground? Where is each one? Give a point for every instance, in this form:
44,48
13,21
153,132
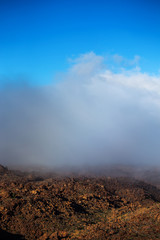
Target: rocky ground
78,206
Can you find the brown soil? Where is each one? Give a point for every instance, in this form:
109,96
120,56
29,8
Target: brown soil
40,207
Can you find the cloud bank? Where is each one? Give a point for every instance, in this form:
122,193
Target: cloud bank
91,116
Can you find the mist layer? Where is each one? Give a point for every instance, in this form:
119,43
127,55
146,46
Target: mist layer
92,115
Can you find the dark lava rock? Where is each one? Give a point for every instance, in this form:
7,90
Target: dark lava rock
3,169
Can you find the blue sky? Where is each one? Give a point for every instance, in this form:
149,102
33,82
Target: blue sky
38,37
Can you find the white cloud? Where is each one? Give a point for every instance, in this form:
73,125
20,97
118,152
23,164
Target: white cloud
91,115
124,62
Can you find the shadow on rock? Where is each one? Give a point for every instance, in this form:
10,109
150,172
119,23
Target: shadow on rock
9,236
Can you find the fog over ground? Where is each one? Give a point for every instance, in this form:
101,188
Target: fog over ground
92,115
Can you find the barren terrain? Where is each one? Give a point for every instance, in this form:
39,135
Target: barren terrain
79,206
